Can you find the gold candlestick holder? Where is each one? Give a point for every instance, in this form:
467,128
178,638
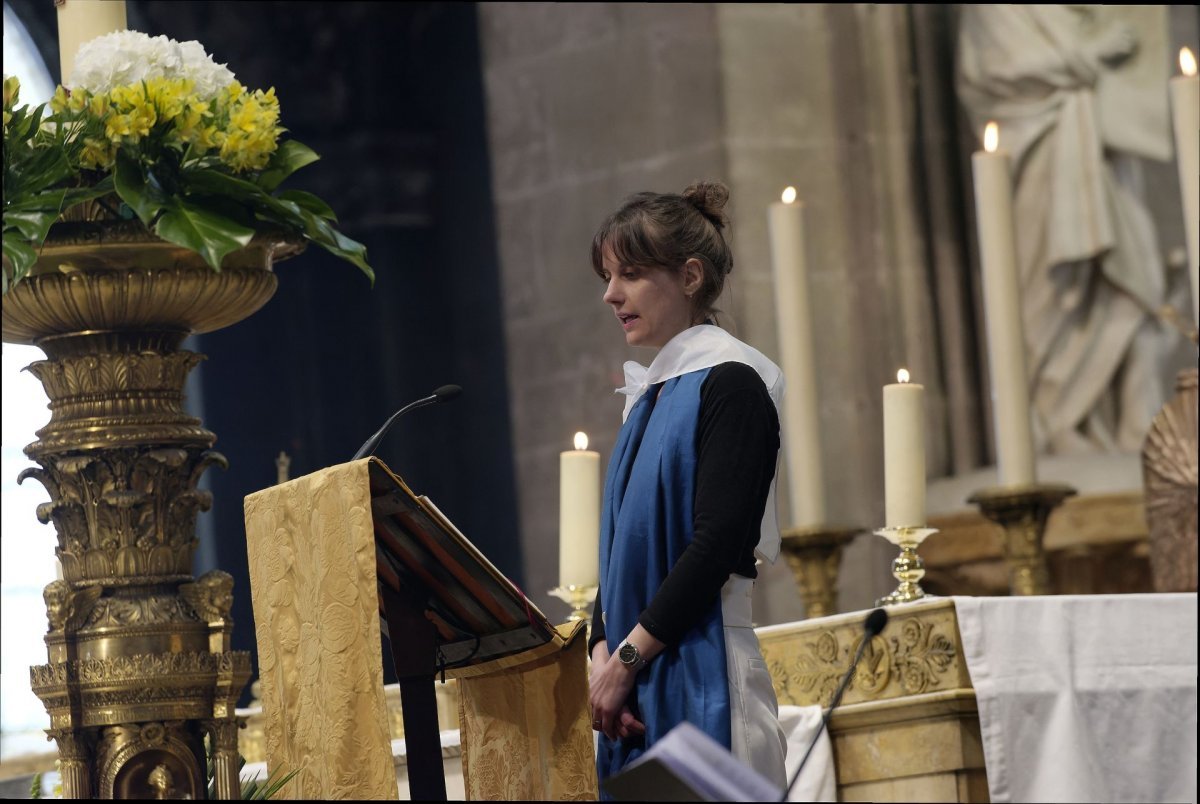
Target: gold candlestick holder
907,568
579,598
1022,511
814,555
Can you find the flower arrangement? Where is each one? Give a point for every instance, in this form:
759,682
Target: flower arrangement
154,128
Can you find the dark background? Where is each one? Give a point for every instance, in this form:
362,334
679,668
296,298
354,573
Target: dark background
391,96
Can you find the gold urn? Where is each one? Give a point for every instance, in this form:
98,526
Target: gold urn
139,664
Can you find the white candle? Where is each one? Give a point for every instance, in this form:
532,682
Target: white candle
81,21
579,516
1185,112
904,452
1002,311
801,414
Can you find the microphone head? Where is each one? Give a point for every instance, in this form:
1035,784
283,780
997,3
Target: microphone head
447,392
875,623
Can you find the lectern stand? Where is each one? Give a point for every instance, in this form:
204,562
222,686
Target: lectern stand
336,558
444,607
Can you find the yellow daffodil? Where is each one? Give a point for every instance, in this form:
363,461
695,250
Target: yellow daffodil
12,88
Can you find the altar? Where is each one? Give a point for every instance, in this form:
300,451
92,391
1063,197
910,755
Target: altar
1067,698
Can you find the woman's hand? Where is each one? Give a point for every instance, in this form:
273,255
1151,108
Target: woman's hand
610,684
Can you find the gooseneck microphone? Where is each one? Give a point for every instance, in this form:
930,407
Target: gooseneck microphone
443,394
872,627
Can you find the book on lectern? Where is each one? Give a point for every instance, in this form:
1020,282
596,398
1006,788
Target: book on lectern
688,765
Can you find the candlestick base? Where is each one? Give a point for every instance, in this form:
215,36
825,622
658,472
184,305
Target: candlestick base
814,554
907,568
579,598
1022,511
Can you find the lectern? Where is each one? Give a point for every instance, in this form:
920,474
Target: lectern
336,558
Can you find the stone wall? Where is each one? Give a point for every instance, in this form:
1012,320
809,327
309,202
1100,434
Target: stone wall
587,103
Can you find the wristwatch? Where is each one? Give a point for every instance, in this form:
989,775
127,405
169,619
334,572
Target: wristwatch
630,656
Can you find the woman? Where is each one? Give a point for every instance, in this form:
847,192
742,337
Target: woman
688,497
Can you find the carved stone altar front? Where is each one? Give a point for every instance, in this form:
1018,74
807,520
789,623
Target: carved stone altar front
908,726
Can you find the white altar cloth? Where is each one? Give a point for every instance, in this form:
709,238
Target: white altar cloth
1085,697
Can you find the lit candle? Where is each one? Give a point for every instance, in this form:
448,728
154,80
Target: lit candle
1185,111
81,21
904,452
579,516
1002,311
801,415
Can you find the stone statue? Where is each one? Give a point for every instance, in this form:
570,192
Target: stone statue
1092,278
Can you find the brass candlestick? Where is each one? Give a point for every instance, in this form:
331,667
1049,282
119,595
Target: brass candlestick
907,568
814,555
1022,511
578,598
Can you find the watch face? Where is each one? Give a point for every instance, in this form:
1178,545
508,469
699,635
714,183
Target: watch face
628,653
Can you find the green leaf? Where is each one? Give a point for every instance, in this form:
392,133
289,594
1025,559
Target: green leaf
20,254
324,235
206,232
310,202
289,157
47,167
129,180
34,224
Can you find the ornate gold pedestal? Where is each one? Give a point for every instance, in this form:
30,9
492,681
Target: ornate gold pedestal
139,669
1022,511
814,555
908,726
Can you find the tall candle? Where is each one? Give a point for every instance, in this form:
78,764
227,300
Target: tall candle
1185,112
1002,311
801,420
904,452
81,21
579,516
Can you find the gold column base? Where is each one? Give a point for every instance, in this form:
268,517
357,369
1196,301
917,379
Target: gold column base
814,554
907,568
1022,511
579,598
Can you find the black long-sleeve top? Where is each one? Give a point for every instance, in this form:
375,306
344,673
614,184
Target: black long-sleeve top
737,445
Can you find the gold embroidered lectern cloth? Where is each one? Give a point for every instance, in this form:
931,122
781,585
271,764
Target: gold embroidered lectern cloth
526,732
312,578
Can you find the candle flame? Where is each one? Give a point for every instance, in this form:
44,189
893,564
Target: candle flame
1187,62
991,137
902,375
789,195
581,441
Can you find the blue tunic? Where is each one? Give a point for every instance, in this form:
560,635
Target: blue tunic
646,524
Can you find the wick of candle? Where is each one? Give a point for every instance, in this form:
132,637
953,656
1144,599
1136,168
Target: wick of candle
789,195
581,441
902,375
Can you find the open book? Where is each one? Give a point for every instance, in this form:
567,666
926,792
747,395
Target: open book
688,765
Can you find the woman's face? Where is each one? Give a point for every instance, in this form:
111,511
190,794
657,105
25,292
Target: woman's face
651,304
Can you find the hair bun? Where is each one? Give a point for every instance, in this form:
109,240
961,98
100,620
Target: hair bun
709,198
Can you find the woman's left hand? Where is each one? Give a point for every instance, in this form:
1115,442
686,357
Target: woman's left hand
610,684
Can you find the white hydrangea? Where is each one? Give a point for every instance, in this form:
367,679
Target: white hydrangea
128,57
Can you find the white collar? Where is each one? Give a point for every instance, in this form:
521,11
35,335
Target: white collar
700,347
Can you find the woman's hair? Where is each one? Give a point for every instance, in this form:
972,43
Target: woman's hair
665,230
